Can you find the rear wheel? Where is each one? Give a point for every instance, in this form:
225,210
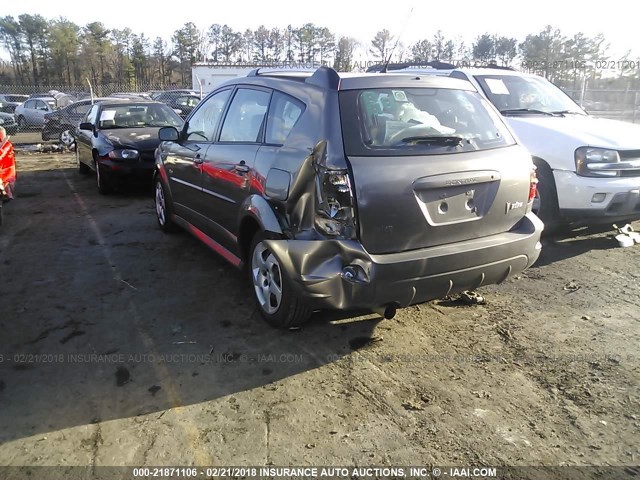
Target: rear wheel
164,209
22,124
545,203
273,293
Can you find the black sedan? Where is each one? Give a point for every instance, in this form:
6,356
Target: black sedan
118,139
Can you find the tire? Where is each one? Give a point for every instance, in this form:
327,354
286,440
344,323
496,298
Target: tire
66,138
164,210
83,168
22,124
545,204
103,181
272,289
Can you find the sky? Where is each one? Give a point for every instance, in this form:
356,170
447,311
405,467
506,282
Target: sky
412,19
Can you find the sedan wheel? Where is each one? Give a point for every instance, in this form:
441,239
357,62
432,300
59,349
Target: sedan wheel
67,139
104,186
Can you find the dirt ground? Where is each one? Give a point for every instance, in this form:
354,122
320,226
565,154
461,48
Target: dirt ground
102,364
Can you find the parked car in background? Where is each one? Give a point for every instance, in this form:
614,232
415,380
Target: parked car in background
170,95
183,105
350,191
30,114
9,101
8,122
131,95
588,167
118,138
61,124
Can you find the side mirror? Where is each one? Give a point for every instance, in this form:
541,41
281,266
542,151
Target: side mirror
86,126
168,134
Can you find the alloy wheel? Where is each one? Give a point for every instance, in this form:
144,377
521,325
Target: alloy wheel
267,278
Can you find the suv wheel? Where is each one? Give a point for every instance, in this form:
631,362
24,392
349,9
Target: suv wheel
273,294
163,209
545,203
22,124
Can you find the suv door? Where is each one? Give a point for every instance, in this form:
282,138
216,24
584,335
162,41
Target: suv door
227,167
184,158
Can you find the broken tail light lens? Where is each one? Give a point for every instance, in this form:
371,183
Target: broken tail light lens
533,184
334,207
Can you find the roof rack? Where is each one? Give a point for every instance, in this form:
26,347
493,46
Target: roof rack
494,65
324,77
436,64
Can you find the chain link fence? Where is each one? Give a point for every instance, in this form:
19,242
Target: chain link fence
615,104
24,108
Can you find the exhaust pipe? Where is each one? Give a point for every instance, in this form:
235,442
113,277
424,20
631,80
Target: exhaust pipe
386,311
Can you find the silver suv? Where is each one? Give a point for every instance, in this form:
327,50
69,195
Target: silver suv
350,191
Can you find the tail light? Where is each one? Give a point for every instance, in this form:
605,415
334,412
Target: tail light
533,184
335,205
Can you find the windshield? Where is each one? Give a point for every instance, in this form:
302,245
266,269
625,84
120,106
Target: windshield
512,92
415,121
131,116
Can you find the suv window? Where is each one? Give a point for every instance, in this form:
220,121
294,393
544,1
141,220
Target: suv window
513,92
408,121
245,116
284,112
30,104
204,122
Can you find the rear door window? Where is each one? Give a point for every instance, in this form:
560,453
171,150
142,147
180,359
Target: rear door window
284,112
244,120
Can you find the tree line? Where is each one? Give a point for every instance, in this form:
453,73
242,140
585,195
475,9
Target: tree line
59,52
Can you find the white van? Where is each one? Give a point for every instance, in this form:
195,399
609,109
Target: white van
588,168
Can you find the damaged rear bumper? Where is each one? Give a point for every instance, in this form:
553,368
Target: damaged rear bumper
340,274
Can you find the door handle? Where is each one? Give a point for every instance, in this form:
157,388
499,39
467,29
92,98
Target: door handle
197,159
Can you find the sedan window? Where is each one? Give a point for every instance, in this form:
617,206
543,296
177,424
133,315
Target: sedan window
128,116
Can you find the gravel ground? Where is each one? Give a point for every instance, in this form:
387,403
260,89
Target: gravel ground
120,345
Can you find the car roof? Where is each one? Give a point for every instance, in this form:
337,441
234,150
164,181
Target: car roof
44,99
127,101
328,78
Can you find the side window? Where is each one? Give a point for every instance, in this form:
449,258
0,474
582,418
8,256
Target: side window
203,123
92,115
30,104
283,115
244,119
